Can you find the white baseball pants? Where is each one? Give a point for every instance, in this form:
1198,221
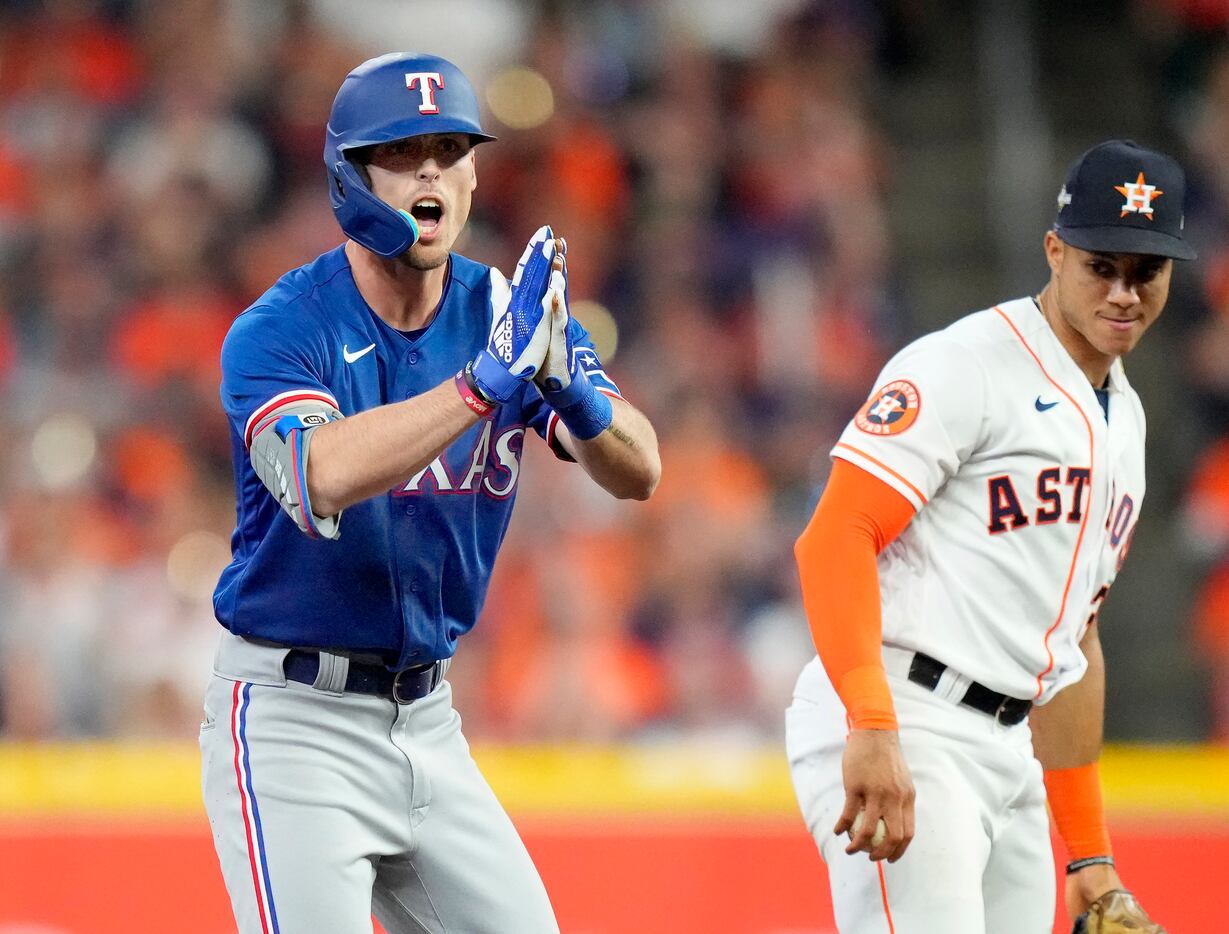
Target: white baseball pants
980,861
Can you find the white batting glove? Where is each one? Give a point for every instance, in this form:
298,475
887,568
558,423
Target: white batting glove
555,374
564,384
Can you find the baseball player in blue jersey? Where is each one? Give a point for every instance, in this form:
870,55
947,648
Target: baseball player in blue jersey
379,398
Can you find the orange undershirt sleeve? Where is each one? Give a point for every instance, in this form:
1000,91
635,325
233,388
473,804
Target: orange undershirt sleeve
856,518
1075,802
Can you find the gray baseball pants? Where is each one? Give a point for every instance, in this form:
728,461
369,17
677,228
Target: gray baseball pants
327,807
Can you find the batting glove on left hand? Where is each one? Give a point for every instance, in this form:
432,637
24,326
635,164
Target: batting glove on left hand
520,322
565,385
559,368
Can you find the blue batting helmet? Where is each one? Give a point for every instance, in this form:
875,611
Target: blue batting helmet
385,99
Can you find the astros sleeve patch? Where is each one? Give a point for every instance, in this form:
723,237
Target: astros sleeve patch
891,410
923,419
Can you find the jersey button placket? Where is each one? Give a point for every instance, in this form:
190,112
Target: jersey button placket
413,357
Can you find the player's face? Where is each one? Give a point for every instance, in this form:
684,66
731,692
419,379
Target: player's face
1105,301
433,178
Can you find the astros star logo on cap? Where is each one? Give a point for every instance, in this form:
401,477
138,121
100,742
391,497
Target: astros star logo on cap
1139,197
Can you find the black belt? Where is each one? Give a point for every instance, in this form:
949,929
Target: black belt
404,686
1009,711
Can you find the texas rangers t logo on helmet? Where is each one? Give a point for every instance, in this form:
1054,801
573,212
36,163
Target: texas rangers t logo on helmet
425,83
1139,197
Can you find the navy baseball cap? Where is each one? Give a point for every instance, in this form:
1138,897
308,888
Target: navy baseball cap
1123,198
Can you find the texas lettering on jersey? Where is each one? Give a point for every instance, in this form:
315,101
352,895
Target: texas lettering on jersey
492,466
312,336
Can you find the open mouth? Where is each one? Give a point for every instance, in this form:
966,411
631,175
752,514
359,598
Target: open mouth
428,212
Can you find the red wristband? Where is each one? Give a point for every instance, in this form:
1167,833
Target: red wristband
470,396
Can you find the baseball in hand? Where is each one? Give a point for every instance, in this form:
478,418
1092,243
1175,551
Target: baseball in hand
881,829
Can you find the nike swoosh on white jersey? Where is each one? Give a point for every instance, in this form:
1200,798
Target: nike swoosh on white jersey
351,357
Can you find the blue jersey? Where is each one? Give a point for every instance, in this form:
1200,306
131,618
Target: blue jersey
409,571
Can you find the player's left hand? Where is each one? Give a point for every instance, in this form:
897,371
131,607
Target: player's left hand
1087,885
1114,912
558,369
563,381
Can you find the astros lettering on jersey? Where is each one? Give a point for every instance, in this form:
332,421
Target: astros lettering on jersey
995,413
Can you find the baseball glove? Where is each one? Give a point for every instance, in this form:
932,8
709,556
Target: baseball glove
1115,912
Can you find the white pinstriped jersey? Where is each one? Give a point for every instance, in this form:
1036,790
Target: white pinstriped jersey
1027,495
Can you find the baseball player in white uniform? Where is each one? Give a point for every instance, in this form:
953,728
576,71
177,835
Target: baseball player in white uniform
980,505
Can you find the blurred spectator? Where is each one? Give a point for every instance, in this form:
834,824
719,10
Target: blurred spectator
159,168
1207,527
721,175
1201,111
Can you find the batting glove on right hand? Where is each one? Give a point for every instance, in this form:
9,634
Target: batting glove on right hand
520,322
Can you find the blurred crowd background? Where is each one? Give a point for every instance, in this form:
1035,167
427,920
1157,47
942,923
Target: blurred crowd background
762,201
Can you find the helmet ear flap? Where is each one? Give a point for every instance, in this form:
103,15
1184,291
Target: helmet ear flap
371,222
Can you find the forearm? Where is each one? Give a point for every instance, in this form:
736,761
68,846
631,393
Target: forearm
1067,741
358,457
623,459
1067,731
839,576
1067,736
